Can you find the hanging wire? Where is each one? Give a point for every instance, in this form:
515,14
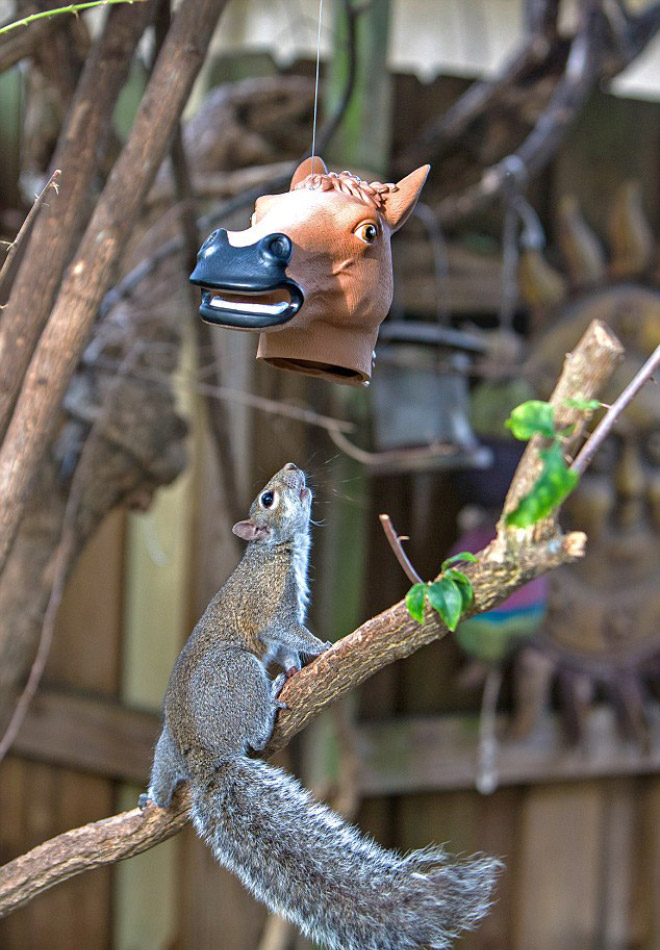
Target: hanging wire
316,83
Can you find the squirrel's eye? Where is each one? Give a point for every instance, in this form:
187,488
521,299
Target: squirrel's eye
268,499
367,232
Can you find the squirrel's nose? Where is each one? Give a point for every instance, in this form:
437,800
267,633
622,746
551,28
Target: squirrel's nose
290,467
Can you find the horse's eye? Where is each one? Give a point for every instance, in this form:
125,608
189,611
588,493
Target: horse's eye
367,232
268,499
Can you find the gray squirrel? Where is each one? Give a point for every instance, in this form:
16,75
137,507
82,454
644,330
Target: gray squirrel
297,856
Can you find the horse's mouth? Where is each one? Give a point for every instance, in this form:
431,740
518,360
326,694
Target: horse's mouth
251,310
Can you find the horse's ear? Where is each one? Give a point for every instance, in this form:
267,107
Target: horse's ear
399,203
310,166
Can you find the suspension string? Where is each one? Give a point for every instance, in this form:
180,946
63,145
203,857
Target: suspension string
316,84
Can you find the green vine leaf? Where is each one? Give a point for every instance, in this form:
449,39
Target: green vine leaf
533,417
554,483
450,595
464,584
415,601
463,556
445,596
585,405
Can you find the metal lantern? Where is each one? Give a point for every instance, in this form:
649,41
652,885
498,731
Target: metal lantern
420,401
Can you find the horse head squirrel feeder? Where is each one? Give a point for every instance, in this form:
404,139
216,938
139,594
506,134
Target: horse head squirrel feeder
312,273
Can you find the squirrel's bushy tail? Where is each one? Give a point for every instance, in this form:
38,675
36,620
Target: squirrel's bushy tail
339,887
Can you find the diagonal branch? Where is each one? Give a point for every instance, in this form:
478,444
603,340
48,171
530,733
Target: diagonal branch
93,267
53,235
580,75
537,48
513,559
53,182
606,424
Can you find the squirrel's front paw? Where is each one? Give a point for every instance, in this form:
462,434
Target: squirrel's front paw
143,801
277,684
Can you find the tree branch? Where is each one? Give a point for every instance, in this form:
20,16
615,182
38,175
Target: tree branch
24,230
511,560
581,72
534,51
54,233
91,272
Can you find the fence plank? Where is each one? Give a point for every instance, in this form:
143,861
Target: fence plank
557,873
42,802
406,755
89,734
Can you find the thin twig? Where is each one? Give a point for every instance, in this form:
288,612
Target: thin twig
415,457
71,8
604,427
25,228
395,540
487,762
262,403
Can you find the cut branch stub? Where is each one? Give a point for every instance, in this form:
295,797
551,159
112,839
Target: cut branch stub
586,370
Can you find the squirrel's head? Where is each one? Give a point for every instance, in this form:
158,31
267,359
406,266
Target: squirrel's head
281,509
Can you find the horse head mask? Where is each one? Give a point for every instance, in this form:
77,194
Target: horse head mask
312,273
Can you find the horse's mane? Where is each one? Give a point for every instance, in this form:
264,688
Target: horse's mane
369,193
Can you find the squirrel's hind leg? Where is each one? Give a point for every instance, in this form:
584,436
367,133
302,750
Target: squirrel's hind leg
165,772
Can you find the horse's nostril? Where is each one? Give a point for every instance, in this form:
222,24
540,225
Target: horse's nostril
279,245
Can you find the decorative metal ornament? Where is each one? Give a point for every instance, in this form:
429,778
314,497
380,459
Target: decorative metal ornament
313,272
601,636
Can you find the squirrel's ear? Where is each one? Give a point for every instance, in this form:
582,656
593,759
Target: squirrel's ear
250,530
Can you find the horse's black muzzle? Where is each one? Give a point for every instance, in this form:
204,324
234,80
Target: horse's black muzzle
237,282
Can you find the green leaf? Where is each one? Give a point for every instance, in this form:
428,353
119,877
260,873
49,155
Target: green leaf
415,601
463,556
464,585
554,483
530,418
586,405
445,597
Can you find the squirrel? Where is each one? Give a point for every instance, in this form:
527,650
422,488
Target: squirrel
297,856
